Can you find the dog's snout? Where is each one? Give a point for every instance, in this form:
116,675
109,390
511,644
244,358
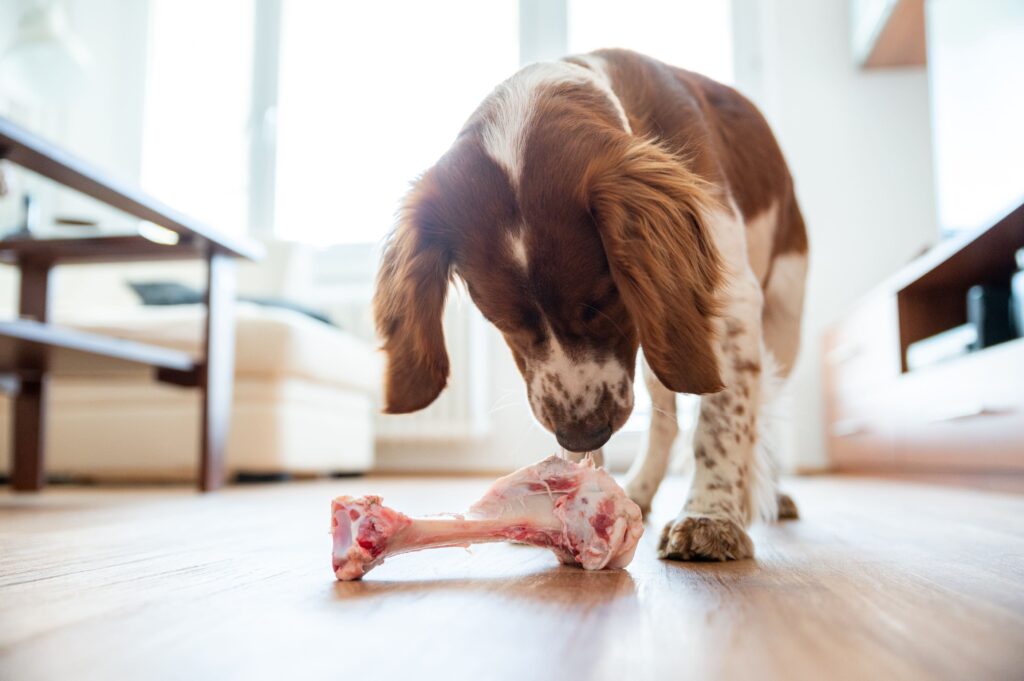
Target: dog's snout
585,439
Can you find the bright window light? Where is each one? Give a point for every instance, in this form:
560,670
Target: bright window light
371,94
692,34
195,152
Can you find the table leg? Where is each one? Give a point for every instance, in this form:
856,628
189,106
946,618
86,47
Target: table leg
28,470
217,380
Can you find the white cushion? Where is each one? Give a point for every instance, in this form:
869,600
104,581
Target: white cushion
271,343
134,429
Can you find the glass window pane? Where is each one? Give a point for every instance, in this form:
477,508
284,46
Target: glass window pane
692,34
371,94
198,86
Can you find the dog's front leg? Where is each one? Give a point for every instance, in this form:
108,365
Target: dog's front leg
648,469
720,504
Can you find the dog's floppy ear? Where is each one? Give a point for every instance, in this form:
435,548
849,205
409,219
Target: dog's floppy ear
650,213
408,308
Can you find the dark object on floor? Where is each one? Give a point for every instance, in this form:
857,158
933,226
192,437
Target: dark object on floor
174,293
988,309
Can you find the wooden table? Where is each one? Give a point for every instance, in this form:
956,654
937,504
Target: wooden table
32,349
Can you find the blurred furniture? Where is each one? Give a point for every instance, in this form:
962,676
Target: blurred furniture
303,400
965,414
32,350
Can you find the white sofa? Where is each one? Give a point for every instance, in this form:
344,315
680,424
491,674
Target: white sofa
305,395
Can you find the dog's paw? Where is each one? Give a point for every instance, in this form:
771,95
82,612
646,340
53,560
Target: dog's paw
704,538
787,507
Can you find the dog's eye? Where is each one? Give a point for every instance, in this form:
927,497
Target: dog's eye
589,311
530,320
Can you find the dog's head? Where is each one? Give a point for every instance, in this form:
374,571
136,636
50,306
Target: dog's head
578,241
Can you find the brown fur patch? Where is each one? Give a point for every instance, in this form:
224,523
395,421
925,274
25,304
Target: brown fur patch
408,304
650,213
746,366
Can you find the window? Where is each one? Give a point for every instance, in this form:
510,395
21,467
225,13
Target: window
370,95
195,130
692,34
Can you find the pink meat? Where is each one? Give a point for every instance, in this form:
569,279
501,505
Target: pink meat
576,510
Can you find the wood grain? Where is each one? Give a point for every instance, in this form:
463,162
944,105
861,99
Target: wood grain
880,580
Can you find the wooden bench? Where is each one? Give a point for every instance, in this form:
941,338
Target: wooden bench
32,349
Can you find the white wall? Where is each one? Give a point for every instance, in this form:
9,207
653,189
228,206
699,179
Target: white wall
100,117
101,122
104,124
9,211
858,145
976,69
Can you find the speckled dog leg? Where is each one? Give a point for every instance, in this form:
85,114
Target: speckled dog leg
648,470
728,479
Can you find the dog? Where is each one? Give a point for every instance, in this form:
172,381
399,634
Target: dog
593,206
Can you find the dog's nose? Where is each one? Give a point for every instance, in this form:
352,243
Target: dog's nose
583,439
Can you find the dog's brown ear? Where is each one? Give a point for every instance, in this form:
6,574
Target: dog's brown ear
408,308
650,213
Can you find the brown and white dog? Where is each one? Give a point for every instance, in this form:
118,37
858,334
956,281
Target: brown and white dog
593,206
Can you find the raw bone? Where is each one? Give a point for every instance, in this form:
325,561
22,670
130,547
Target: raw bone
576,510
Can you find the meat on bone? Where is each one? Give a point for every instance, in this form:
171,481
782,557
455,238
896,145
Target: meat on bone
576,510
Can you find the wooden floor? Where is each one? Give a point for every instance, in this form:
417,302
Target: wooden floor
880,580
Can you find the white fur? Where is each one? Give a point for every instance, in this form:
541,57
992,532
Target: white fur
648,470
604,83
787,282
764,474
583,379
760,233
515,103
783,308
518,250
